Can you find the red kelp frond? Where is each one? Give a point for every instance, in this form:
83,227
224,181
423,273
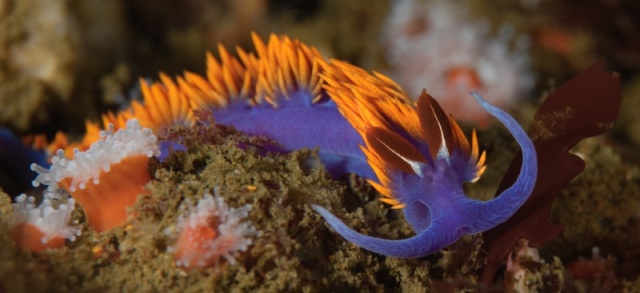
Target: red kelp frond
585,106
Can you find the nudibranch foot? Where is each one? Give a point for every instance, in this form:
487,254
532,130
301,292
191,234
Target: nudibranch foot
426,242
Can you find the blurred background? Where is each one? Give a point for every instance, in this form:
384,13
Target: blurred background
62,62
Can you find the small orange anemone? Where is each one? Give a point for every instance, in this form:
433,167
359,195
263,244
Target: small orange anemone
211,230
42,227
28,236
107,178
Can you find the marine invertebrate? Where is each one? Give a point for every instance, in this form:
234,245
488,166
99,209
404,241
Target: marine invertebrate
437,45
424,175
277,94
107,178
210,230
405,146
42,227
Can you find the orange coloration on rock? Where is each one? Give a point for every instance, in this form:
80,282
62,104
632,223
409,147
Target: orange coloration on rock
555,39
589,269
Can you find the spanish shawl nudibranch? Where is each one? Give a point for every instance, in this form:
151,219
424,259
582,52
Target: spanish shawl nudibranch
415,155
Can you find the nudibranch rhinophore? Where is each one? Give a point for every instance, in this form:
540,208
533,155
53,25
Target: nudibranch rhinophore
414,154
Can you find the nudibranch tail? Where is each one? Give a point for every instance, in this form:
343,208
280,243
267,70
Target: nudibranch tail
426,242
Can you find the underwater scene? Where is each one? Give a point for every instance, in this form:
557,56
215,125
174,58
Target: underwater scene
320,146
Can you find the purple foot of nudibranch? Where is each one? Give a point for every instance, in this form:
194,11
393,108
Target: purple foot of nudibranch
426,242
459,215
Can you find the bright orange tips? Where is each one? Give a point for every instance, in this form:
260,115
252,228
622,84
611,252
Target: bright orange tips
105,204
277,69
395,129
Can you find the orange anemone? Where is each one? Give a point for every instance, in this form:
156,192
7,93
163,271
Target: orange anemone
105,204
211,230
43,227
107,178
28,236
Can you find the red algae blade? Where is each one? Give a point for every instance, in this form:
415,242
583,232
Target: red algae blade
585,106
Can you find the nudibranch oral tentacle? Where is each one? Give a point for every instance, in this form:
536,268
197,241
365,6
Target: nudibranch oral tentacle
502,207
435,204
